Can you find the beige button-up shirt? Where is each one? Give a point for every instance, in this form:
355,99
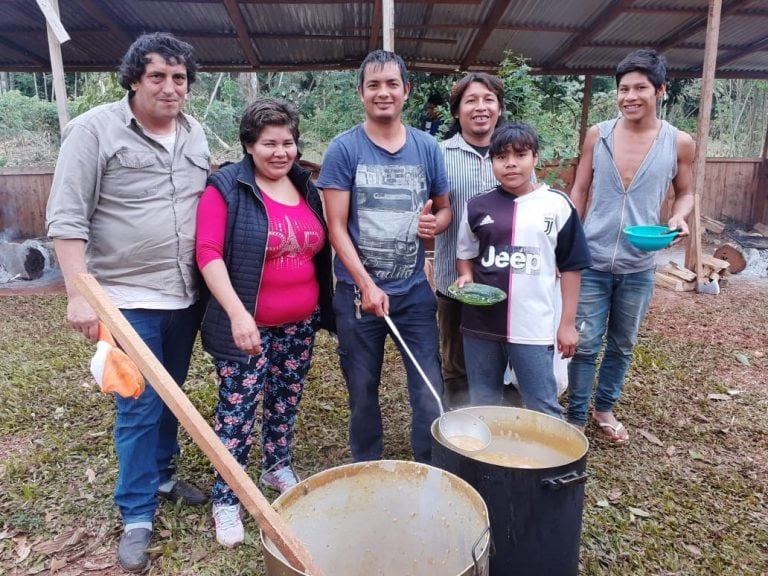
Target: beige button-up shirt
129,199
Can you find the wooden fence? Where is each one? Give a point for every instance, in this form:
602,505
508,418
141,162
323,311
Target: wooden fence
732,192
23,196
735,190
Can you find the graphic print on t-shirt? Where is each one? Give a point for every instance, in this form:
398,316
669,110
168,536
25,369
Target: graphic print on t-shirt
389,199
291,241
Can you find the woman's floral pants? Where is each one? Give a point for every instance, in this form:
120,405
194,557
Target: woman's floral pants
277,376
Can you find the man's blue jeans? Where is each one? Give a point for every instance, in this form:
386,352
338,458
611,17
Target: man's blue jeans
610,305
486,361
145,429
361,354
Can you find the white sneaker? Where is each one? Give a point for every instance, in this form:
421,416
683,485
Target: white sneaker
229,527
280,479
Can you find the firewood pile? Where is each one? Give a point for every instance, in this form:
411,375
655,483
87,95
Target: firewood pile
680,279
731,257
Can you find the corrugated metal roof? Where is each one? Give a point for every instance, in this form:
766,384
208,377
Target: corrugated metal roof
556,37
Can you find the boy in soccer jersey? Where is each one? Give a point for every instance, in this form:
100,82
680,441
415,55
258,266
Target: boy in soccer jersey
520,237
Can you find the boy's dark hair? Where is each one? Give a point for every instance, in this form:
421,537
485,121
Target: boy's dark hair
518,136
377,60
167,46
263,112
435,99
648,62
457,92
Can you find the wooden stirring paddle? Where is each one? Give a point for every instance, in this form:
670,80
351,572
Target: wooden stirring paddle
250,496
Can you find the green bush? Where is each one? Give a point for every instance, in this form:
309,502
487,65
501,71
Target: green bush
21,114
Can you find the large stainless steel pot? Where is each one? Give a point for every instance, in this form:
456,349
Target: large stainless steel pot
385,518
532,479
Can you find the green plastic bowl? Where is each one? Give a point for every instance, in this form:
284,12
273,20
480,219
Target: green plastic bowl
650,237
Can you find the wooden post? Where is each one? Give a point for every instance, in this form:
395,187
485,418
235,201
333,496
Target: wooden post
388,25
693,254
765,145
56,36
585,111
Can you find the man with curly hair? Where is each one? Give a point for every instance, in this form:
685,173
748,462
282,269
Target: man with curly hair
122,207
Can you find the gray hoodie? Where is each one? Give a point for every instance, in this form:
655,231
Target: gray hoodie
612,208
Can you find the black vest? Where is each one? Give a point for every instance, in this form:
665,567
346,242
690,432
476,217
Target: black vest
245,246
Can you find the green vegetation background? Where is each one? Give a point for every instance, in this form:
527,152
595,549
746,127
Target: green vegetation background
328,104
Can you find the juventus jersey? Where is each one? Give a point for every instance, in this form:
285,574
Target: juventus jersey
518,243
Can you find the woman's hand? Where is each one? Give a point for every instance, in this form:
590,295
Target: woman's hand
246,334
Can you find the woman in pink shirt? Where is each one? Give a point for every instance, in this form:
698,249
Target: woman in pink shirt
263,251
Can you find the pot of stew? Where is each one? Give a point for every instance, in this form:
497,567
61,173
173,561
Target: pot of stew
531,477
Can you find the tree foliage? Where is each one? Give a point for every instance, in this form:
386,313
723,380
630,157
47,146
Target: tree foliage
328,103
551,105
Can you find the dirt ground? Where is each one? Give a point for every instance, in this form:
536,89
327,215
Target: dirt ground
735,320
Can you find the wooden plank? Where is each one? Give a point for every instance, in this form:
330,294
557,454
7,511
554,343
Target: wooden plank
250,496
693,258
51,12
674,269
673,283
693,253
760,209
57,65
716,264
714,226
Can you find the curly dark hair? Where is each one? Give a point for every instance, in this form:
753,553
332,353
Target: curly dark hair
265,111
167,46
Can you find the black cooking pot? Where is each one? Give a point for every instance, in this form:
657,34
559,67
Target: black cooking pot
532,478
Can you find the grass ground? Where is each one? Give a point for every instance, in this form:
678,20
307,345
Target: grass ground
686,496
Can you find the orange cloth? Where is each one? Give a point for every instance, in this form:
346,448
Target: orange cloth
113,370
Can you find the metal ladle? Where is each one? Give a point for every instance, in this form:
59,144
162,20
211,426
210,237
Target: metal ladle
451,424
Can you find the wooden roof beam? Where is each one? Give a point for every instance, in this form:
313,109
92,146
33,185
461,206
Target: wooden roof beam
377,19
671,73
423,26
524,27
695,26
736,54
106,19
236,17
316,2
498,9
595,26
23,52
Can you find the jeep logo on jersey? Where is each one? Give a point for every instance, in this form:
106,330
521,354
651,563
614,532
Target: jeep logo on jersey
520,259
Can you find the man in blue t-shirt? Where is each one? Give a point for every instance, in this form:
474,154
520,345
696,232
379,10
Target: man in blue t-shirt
385,193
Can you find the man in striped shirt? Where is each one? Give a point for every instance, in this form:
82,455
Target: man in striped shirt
477,104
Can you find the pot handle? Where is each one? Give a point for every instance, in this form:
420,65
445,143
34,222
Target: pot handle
477,561
564,481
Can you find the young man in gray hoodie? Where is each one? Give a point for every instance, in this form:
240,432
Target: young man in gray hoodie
629,163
